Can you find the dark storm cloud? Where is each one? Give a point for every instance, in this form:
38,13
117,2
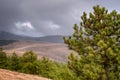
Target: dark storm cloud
46,17
8,13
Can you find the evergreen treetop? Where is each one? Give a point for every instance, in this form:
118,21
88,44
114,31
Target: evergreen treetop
97,42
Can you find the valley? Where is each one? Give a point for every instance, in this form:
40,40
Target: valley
55,51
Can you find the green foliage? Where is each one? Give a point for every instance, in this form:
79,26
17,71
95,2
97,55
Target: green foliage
47,68
3,59
97,42
64,73
28,60
28,63
14,62
29,68
53,70
29,57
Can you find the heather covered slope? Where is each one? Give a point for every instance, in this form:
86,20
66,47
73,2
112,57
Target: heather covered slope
11,75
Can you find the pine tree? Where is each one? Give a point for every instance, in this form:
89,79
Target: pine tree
97,42
29,56
3,59
28,60
15,63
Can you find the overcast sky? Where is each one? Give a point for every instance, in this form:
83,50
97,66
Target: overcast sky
46,17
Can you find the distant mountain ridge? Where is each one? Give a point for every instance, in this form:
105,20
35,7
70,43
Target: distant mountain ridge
9,36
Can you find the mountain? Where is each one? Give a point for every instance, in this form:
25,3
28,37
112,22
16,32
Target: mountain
51,47
9,36
54,39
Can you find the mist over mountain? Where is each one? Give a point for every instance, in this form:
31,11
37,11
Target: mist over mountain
10,36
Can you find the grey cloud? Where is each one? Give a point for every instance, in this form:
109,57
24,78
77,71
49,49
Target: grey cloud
41,13
8,13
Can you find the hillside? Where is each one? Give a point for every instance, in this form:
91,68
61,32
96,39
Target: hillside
10,36
11,75
54,51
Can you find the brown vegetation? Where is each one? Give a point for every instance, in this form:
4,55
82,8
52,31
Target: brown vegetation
54,51
11,75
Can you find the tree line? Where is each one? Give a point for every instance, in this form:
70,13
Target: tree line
30,64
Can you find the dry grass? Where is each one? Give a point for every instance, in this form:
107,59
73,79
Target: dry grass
11,75
54,51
